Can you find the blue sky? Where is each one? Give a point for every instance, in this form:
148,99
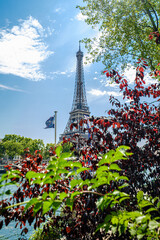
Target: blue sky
38,45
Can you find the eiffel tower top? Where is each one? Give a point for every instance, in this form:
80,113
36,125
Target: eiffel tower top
79,99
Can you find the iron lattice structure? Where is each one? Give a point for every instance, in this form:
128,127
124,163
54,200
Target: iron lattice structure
80,109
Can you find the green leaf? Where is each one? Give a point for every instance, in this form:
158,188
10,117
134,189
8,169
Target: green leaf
104,160
123,199
75,182
132,231
32,174
51,167
145,203
99,202
8,192
46,206
114,220
123,147
116,192
82,170
141,219
61,171
63,195
37,206
123,178
52,195
123,186
115,167
86,182
101,169
45,181
158,204
58,150
155,199
151,210
56,204
114,229
153,224
69,203
77,164
108,218
75,194
65,155
30,203
44,196
140,236
140,196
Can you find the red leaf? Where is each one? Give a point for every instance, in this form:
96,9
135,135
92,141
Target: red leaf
141,69
68,229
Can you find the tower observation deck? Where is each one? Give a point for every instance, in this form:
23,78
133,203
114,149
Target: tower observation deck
80,108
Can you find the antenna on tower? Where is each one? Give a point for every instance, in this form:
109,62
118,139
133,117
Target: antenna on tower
79,45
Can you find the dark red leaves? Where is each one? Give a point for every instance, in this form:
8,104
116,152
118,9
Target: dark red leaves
68,229
156,35
73,125
25,230
1,224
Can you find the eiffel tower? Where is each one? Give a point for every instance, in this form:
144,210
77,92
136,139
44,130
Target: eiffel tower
80,108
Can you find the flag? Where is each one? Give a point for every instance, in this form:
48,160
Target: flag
50,122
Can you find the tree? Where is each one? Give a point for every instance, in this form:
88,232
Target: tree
33,144
47,151
12,149
13,144
124,29
136,125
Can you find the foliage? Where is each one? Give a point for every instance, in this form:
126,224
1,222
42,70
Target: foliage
13,144
47,151
89,209
101,193
124,27
67,146
134,123
52,232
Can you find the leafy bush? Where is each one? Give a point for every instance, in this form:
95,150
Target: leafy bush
88,209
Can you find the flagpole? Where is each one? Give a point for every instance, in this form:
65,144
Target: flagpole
55,126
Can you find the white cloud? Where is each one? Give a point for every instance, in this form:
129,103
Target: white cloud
97,92
80,17
59,10
63,73
130,75
22,50
115,94
10,88
67,72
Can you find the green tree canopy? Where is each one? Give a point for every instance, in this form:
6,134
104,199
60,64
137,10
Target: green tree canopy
13,144
124,26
